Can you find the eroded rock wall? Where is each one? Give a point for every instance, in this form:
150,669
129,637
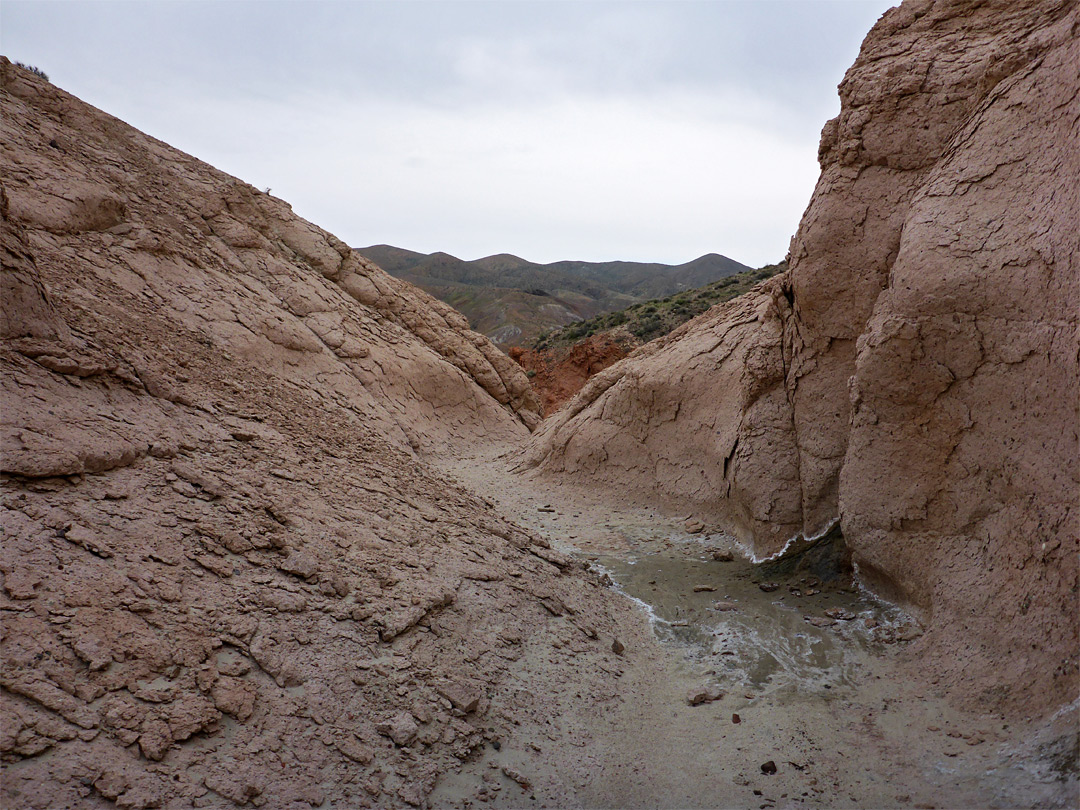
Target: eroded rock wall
914,374
700,417
228,577
965,393
135,220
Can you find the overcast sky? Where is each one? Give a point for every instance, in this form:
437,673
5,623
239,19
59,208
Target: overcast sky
646,131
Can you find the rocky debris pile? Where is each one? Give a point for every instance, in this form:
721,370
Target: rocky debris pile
229,575
913,376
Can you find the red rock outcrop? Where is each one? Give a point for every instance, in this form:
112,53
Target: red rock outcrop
914,375
557,374
229,576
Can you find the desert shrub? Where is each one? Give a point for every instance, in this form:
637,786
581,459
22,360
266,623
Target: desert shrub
35,70
648,327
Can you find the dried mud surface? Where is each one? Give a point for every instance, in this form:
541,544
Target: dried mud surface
860,725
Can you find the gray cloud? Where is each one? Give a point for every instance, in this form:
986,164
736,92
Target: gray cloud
634,130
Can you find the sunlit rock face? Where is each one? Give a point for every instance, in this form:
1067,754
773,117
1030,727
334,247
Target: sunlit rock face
914,375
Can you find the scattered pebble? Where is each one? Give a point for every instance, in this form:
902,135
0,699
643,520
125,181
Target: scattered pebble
703,694
518,777
768,767
908,632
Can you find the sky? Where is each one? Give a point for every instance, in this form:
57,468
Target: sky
593,131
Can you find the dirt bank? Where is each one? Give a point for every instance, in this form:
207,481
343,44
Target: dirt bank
558,373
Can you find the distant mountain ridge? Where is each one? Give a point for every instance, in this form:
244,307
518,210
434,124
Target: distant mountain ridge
513,300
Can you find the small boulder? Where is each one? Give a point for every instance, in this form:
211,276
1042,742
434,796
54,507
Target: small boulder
299,565
839,613
464,697
401,728
703,694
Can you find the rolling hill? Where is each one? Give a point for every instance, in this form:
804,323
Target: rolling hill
513,301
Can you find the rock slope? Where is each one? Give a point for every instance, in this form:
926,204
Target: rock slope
229,575
237,269
914,375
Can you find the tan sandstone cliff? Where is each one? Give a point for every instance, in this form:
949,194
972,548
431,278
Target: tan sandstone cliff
229,577
914,375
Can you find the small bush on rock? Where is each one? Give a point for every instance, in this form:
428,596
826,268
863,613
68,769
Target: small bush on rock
35,70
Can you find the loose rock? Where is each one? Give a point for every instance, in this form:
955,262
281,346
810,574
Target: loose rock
704,694
401,728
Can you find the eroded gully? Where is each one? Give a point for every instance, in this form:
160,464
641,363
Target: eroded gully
820,703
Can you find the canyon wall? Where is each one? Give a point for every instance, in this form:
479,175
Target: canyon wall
914,374
229,575
204,254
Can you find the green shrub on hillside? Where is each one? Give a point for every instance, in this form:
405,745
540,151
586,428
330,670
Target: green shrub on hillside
35,70
649,320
